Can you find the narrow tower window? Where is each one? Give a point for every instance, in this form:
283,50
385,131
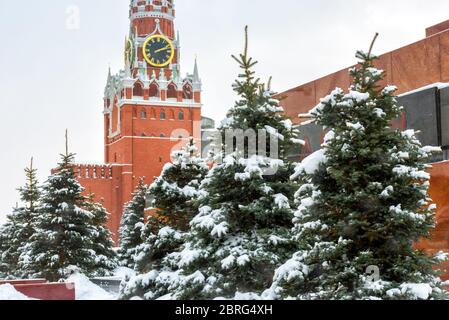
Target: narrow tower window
138,90
181,115
171,91
188,92
162,115
143,114
154,90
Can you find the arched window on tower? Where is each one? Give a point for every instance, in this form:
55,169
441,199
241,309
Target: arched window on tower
143,114
154,90
138,90
162,115
172,92
181,115
187,92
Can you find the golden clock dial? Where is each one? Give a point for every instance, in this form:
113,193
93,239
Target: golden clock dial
158,51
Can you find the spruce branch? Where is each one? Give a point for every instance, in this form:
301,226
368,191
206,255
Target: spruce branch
372,44
31,175
249,85
269,83
367,63
66,143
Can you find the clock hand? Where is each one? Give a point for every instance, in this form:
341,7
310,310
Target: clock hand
163,49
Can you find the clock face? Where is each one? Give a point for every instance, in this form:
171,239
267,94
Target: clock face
129,52
158,51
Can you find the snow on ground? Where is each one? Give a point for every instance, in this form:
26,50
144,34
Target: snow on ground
8,292
123,273
420,291
86,290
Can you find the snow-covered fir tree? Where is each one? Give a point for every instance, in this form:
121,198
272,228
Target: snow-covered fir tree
174,192
6,231
174,198
363,203
106,258
64,232
241,233
15,234
131,225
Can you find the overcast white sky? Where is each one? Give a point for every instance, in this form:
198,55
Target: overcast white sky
52,78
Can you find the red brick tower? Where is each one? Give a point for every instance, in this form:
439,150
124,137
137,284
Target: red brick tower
149,109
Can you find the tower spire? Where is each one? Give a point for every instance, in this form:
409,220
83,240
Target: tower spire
196,74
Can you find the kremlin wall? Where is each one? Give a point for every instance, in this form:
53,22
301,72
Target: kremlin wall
421,73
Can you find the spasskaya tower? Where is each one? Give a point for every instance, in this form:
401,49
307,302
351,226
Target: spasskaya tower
150,109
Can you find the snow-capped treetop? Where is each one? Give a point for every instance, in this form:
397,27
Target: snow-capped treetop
257,108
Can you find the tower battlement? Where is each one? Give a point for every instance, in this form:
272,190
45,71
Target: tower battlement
147,16
93,171
152,9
